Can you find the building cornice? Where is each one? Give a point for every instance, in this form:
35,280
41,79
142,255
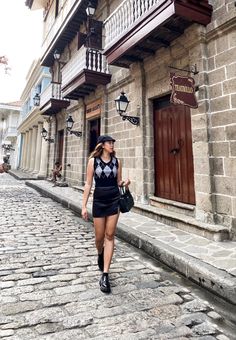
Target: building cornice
222,29
32,119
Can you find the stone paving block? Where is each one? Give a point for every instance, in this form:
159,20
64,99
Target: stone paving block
65,335
191,320
70,289
52,314
215,316
37,295
204,328
32,281
62,277
77,320
6,284
195,306
60,300
48,328
6,333
17,290
19,307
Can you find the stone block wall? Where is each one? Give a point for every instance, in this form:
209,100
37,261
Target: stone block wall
221,50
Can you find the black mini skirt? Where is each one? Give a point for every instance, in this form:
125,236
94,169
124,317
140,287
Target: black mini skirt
106,201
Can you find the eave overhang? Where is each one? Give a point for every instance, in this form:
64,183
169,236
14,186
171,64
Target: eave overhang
84,83
53,106
157,28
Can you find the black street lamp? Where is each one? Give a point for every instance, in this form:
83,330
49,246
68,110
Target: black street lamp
44,134
57,55
69,126
122,104
36,99
90,10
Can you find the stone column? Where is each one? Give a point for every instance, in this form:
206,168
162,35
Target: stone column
33,147
29,147
44,156
38,149
26,150
21,164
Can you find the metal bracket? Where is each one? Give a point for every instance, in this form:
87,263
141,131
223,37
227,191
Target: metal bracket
76,133
133,120
49,140
192,69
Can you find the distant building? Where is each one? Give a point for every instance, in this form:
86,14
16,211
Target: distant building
34,149
9,118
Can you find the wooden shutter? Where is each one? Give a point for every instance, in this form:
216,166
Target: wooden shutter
95,34
81,39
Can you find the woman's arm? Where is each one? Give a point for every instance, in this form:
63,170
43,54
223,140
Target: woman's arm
87,187
119,174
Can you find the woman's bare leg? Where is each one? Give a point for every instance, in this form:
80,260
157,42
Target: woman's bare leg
99,226
110,229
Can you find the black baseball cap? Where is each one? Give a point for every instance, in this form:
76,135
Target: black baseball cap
105,138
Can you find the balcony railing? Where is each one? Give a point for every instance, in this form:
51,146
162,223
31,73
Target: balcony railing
51,101
125,15
84,59
52,91
10,132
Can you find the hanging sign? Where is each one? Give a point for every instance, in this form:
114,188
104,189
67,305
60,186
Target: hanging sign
183,91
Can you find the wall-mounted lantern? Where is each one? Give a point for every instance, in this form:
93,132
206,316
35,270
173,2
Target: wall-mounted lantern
36,99
7,147
90,10
122,104
69,126
44,134
56,55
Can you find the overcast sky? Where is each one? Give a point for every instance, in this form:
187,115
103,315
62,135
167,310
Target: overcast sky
20,42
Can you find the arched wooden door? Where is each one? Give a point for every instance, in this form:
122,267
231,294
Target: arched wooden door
174,173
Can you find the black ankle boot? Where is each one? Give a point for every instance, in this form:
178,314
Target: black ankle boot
101,260
104,283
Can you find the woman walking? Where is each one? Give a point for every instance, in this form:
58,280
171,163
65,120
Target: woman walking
106,170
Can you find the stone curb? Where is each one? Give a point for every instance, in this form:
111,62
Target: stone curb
216,280
21,178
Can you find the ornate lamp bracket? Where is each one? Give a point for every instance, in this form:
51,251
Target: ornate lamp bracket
133,120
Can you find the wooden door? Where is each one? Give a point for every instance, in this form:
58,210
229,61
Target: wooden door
174,174
94,133
60,146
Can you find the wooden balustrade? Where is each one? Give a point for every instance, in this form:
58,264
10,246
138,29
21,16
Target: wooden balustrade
124,16
52,91
84,59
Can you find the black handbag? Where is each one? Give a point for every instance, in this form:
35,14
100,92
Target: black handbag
126,200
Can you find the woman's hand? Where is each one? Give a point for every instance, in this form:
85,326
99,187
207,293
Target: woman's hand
127,183
84,214
121,183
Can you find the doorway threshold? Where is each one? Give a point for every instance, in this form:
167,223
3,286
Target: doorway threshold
183,222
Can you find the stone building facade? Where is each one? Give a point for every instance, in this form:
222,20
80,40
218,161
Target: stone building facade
9,118
33,148
192,182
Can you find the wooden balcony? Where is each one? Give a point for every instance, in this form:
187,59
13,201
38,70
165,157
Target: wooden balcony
51,101
137,28
83,73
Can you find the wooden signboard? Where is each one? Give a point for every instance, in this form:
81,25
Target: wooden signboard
93,109
183,91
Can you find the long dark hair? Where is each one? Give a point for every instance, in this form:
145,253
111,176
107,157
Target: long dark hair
97,152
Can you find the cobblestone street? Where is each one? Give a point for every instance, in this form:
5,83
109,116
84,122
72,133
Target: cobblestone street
49,281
